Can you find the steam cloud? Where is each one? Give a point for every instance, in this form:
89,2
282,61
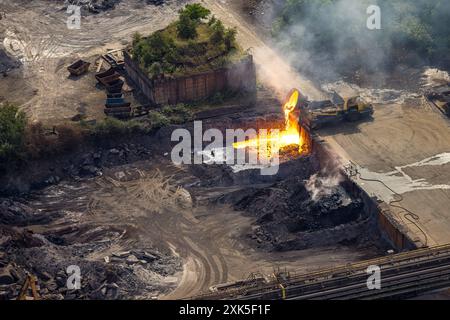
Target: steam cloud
322,184
325,182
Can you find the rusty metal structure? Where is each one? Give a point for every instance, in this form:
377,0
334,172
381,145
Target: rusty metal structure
237,77
78,68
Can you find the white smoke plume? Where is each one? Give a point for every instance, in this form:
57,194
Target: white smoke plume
326,40
323,184
278,74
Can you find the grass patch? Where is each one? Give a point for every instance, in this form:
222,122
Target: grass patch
12,132
111,127
22,141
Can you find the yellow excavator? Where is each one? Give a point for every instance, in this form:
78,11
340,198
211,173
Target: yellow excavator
316,114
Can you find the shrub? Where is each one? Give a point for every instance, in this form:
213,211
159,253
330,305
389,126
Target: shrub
137,37
155,69
195,12
212,21
12,131
177,114
186,27
157,119
218,32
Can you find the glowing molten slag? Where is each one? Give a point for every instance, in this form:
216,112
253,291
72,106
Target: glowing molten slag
292,134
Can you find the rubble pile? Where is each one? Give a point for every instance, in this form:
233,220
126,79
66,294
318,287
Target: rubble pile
94,6
108,271
290,215
6,62
18,214
97,6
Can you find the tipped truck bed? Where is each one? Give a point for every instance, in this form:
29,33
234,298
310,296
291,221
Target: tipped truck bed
78,68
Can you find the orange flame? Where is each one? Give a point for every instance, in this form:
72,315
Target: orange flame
292,134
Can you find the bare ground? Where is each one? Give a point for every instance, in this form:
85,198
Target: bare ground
144,205
45,47
207,239
35,33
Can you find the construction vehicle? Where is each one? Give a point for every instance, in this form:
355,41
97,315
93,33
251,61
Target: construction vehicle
316,114
440,98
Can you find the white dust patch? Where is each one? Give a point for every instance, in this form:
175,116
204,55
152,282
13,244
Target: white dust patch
400,182
319,185
219,156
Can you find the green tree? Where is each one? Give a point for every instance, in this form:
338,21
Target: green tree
136,38
218,32
159,45
155,69
186,27
230,38
12,131
212,21
195,12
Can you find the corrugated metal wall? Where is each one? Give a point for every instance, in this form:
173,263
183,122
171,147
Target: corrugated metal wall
238,77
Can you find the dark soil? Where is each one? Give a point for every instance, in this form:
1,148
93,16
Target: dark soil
98,6
6,63
293,210
300,207
126,274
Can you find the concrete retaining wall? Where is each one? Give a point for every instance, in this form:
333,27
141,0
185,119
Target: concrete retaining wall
239,77
394,233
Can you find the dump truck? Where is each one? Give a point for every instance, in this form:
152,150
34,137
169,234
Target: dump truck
317,114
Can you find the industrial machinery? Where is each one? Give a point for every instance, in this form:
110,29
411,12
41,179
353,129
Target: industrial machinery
440,98
316,114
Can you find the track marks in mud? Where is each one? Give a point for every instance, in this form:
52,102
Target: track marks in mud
36,33
163,216
208,237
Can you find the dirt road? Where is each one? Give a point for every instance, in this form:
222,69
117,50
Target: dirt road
272,69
